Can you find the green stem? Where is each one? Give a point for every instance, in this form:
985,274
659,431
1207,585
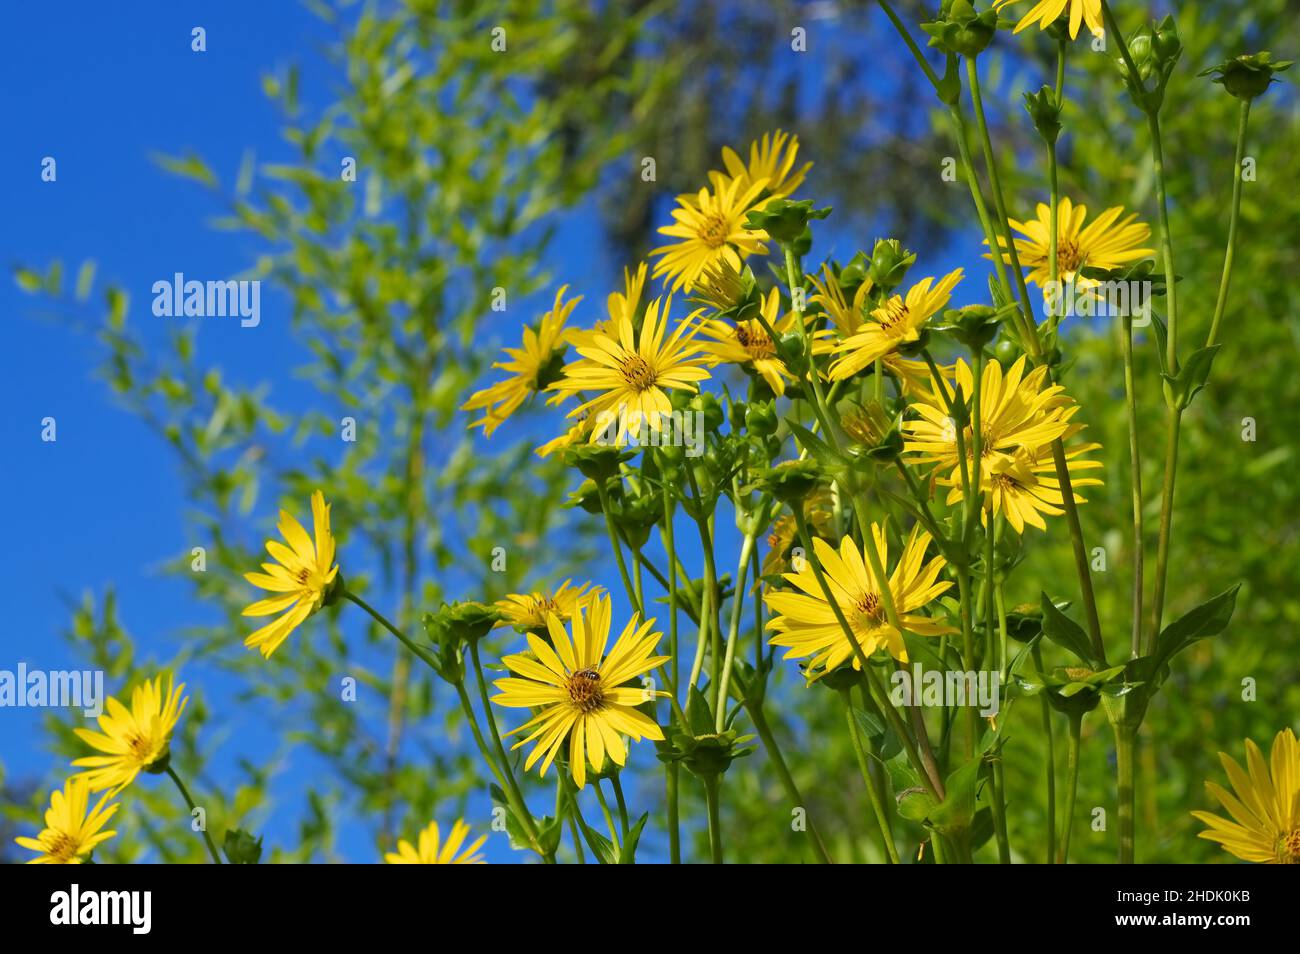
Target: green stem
212,848
1000,204
737,604
672,769
512,785
1125,739
1226,280
622,805
873,790
713,800
1166,244
1135,480
764,730
609,818
617,547
422,653
1072,770
1051,761
911,44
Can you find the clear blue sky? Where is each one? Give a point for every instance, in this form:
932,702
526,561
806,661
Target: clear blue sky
101,88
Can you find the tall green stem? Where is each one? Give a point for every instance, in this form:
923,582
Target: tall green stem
1072,771
1051,761
1125,740
873,790
212,848
764,730
1229,253
1135,480
713,799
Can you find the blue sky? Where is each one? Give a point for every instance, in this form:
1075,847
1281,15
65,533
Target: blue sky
101,92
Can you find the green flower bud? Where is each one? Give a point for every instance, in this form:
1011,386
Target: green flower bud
761,419
1045,111
960,30
706,404
889,263
1249,75
785,219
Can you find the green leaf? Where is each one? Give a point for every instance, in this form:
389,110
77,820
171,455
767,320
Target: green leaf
1066,633
1208,619
627,854
698,714
188,167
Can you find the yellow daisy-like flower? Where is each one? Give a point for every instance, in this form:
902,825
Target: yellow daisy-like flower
1107,242
748,343
631,376
532,367
772,161
619,305
1265,824
581,691
806,624
1020,418
302,575
431,850
70,830
134,739
847,316
710,229
577,434
894,323
528,611
1046,12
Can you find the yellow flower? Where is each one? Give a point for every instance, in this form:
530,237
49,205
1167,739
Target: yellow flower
302,575
807,625
70,831
1265,825
1106,243
532,367
818,510
772,161
895,323
581,691
133,740
1045,12
631,375
431,850
711,229
847,317
528,611
1020,418
618,305
577,434
748,343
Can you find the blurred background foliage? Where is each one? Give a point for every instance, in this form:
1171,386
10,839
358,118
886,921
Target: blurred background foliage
467,160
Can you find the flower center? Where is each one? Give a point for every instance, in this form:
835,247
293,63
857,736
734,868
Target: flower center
141,748
61,846
714,230
637,373
1068,257
1288,848
755,341
585,692
868,612
895,313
